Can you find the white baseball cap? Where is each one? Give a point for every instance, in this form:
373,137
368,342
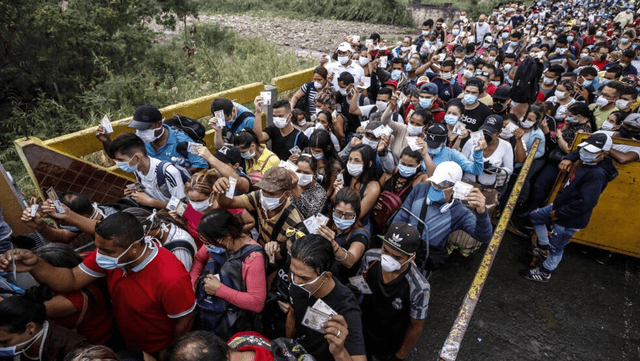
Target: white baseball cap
446,171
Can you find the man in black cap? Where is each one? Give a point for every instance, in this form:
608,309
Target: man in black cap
437,152
226,162
160,140
474,112
501,100
395,306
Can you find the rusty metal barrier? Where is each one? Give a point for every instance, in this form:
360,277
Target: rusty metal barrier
449,351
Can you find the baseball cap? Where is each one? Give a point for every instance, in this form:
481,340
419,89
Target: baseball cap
276,179
446,171
391,82
228,154
145,116
374,124
436,135
502,93
596,143
345,47
493,124
632,120
429,88
422,80
403,238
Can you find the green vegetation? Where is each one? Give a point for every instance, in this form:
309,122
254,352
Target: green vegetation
371,11
86,66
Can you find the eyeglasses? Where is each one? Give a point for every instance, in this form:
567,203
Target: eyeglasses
290,232
343,215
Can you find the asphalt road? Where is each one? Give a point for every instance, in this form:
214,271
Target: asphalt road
587,311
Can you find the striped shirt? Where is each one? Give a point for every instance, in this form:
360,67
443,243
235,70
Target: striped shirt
251,202
310,92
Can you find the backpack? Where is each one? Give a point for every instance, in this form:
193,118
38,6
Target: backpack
192,128
525,87
303,102
394,116
216,314
257,175
161,181
228,134
387,205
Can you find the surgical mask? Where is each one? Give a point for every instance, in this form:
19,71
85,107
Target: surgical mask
214,249
527,123
319,126
560,51
445,76
587,157
602,101
304,179
318,156
301,285
586,83
505,134
607,125
560,94
270,203
10,351
414,130
624,65
247,155
408,68
467,73
528,26
425,103
396,74
343,59
406,171
505,35
547,80
435,195
569,38
492,59
571,119
343,91
389,264
317,85
513,43
624,40
540,27
506,67
355,169
496,82
371,143
469,99
201,205
426,32
363,60
280,122
381,105
126,167
148,135
451,119
109,263
435,151
622,104
501,23
405,48
343,224
455,32
599,34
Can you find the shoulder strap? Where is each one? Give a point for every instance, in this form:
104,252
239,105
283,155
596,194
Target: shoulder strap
181,244
368,268
266,161
295,142
239,119
283,218
409,185
423,214
160,169
85,305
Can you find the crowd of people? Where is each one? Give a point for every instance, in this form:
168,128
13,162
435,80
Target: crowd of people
314,237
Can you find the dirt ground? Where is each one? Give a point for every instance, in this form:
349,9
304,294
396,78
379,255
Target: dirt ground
304,37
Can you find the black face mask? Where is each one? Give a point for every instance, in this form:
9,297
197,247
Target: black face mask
603,57
499,108
488,137
626,133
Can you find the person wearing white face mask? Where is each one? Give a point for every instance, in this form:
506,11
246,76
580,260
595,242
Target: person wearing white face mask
403,51
562,99
394,313
308,196
285,139
307,92
527,133
416,126
26,332
312,279
447,87
549,78
271,201
138,274
344,63
382,103
605,104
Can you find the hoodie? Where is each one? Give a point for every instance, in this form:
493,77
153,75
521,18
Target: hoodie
575,203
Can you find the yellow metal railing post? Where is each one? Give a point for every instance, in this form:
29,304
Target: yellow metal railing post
449,351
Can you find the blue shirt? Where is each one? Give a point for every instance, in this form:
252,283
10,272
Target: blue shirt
246,122
168,152
448,154
446,91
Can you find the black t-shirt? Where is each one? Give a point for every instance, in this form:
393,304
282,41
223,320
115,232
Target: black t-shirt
281,145
341,300
362,236
473,118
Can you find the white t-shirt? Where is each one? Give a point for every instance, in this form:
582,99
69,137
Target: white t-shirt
334,139
481,31
622,148
178,234
502,157
172,178
337,69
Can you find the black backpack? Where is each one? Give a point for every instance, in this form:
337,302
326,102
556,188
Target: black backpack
228,134
303,102
192,128
525,87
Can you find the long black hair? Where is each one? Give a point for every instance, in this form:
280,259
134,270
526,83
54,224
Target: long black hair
218,223
369,161
17,311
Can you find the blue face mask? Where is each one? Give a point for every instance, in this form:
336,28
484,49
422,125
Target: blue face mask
513,43
571,120
396,74
10,351
435,195
343,224
540,27
587,157
624,40
455,32
505,35
110,263
408,68
500,22
469,99
214,249
426,32
586,83
528,26
126,167
425,103
406,171
435,151
569,38
451,119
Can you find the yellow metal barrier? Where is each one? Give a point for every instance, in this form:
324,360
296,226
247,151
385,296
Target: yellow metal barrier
451,346
293,80
619,204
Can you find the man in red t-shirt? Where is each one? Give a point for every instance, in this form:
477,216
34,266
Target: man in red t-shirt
151,293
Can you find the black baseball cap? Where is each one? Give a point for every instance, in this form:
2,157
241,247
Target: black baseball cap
229,155
502,93
436,135
492,124
402,237
145,116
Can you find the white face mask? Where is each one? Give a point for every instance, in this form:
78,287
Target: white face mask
622,104
355,169
201,205
318,156
280,122
381,105
317,85
602,101
389,264
414,130
371,143
547,80
304,179
149,135
270,203
560,94
527,124
607,125
467,73
343,59
363,60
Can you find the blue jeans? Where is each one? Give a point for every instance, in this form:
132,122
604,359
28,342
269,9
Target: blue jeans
560,236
